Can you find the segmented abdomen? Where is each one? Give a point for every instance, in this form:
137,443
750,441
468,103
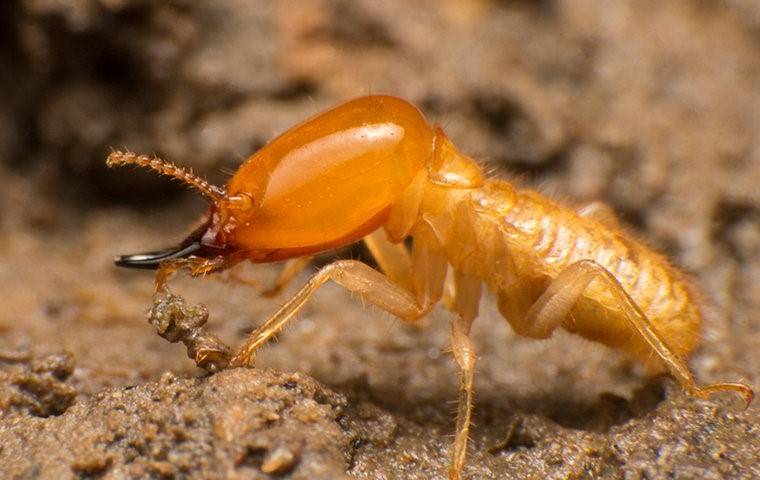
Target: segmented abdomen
543,237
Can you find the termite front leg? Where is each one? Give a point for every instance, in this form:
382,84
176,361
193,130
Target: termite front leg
288,272
197,266
357,277
428,272
555,304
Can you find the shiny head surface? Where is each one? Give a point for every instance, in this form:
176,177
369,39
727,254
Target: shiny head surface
322,184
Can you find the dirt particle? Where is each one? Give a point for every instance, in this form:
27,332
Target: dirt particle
279,461
177,321
92,465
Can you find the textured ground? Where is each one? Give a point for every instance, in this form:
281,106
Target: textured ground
652,106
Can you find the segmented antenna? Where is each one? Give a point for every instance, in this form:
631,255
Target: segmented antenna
117,158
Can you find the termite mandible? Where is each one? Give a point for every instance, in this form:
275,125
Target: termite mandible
373,169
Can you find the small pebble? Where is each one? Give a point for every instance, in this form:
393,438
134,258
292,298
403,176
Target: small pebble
280,460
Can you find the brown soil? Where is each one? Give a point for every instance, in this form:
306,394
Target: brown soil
652,106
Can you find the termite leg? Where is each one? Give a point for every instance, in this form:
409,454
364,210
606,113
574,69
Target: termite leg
196,265
235,276
465,304
356,277
289,271
429,266
394,259
563,293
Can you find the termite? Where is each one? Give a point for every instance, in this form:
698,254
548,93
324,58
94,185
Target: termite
374,169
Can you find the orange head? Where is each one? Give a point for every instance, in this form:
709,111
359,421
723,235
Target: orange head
323,184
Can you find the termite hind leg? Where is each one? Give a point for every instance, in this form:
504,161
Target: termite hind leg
554,304
646,330
562,294
465,304
741,389
357,277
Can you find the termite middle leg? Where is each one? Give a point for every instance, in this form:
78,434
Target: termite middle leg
555,304
467,290
394,259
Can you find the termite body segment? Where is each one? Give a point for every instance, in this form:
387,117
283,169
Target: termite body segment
374,169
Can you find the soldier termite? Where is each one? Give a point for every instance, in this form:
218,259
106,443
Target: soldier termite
374,170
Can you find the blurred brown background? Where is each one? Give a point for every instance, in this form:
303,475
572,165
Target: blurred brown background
652,106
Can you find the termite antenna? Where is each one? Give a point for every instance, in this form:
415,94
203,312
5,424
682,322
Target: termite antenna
215,193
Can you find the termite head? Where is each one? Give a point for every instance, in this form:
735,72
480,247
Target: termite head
321,185
206,241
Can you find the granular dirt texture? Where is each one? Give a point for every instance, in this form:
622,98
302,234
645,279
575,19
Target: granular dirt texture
239,422
650,106
38,386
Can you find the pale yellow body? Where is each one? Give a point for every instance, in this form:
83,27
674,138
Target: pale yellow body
517,241
549,266
373,168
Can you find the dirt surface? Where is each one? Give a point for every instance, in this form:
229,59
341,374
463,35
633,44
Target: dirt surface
652,106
